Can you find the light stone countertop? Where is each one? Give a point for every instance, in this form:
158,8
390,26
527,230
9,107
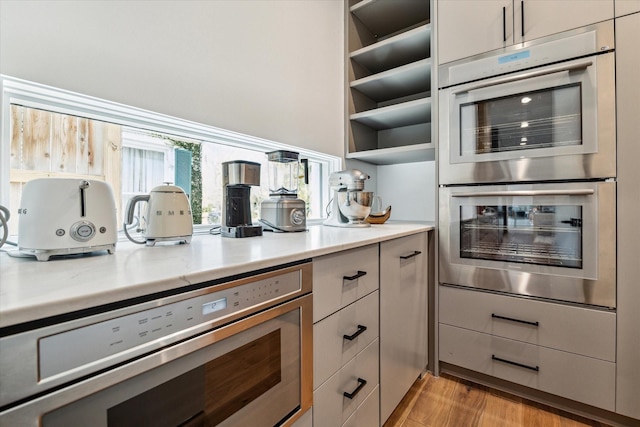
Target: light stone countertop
32,290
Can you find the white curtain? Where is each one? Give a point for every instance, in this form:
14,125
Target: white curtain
141,170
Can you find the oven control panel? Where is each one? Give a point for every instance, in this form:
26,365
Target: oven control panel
144,331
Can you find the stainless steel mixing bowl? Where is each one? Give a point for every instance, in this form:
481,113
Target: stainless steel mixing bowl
355,205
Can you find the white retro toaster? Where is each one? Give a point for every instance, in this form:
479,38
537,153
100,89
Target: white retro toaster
60,216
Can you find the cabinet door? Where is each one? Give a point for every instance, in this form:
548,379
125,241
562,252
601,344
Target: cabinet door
470,27
403,317
543,17
625,7
628,312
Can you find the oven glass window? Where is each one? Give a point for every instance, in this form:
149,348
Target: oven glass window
538,119
543,235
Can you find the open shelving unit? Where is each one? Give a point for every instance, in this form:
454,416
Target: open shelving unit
389,81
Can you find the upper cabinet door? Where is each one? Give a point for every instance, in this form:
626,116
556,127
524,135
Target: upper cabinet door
625,7
542,17
469,27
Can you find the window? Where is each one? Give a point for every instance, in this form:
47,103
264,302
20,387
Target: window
53,133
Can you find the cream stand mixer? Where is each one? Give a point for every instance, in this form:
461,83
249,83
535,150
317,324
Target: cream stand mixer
350,205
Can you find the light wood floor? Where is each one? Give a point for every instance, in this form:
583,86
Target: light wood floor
447,401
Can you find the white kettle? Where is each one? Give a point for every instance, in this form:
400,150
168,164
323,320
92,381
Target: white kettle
168,215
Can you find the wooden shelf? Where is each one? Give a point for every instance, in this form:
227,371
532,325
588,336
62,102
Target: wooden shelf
385,17
398,82
398,115
395,155
404,48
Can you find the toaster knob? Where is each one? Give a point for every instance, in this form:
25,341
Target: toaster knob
82,231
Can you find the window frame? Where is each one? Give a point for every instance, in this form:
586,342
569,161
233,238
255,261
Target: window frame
40,96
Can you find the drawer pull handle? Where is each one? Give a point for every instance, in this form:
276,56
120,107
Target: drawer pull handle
533,368
360,330
361,384
411,255
355,276
511,319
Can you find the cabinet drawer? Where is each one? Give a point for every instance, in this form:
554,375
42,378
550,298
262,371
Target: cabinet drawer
367,414
331,349
563,327
341,278
330,406
576,377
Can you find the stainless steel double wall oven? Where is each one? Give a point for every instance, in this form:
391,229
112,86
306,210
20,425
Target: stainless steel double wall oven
527,169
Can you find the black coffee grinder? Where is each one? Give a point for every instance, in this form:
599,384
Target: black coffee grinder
237,178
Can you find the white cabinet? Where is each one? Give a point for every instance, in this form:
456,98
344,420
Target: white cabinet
469,27
561,349
625,7
627,94
389,81
403,317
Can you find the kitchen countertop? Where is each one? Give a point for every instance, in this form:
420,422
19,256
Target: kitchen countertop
32,290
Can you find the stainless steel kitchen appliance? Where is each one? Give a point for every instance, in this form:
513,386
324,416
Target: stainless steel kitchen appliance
237,178
167,216
528,167
350,204
540,111
230,352
64,216
283,210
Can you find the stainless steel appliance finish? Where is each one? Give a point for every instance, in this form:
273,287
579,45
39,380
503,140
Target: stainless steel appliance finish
554,241
350,205
283,210
541,111
230,353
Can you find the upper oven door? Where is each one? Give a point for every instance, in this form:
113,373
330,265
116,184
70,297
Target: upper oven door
555,122
552,241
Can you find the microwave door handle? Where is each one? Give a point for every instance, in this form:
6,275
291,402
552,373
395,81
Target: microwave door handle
581,192
508,79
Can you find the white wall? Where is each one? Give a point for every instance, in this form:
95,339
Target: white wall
267,68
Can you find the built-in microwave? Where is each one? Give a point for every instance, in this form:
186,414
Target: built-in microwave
537,112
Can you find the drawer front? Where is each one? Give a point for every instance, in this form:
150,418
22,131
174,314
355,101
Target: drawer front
331,350
367,414
331,407
576,377
563,327
341,278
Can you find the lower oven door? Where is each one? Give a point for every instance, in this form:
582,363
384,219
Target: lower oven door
553,241
254,372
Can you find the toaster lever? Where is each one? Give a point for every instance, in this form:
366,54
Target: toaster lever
84,184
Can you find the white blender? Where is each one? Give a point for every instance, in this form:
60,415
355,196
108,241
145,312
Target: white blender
350,205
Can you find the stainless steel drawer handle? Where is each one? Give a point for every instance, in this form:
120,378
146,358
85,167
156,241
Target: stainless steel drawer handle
355,276
511,319
415,253
522,365
361,384
360,330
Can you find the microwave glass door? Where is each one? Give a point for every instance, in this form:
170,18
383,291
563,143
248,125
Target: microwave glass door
250,378
538,119
548,235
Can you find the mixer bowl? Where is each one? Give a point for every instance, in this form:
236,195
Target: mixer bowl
355,205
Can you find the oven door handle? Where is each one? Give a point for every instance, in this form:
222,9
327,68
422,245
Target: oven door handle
560,192
536,73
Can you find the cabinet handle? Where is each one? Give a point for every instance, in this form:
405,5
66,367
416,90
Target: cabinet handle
355,276
498,359
522,17
361,384
511,319
360,330
411,255
504,24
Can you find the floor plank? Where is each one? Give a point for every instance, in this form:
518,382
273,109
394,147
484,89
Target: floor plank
447,401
